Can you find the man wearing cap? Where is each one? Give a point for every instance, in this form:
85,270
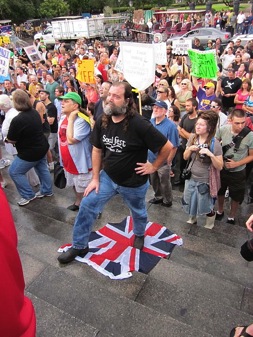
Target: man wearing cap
121,139
160,180
51,86
206,95
53,122
74,145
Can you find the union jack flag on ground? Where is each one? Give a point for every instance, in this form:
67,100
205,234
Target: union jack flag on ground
111,250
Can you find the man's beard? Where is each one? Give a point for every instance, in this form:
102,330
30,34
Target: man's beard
111,110
190,112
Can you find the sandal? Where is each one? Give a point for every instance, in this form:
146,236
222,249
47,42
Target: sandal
243,333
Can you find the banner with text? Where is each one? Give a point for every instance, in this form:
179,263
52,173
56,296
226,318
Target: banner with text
181,46
4,61
138,64
203,64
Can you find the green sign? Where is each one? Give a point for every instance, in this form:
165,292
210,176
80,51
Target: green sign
203,64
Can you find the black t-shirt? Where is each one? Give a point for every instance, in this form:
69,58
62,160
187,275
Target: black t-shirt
98,109
52,112
230,87
188,125
26,130
123,149
45,125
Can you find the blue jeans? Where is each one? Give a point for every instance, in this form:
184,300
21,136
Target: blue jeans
18,170
134,197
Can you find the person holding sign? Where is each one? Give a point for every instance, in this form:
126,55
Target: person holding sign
204,95
121,139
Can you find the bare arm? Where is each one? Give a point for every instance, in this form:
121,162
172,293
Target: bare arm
40,107
96,167
232,164
183,133
70,128
195,82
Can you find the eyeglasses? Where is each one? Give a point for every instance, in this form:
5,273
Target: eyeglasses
214,106
161,84
160,92
184,83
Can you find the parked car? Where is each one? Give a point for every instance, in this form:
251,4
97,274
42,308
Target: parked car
244,38
203,34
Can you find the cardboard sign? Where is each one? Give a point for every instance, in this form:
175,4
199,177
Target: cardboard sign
181,46
160,53
203,63
33,53
85,71
4,61
138,64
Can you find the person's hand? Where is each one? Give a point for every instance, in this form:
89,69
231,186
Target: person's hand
193,148
73,115
229,164
93,185
145,168
249,223
205,151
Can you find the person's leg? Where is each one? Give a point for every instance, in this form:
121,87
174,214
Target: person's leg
90,206
44,176
221,199
166,188
233,209
17,171
134,197
155,183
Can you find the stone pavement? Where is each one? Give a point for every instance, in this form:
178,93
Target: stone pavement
204,290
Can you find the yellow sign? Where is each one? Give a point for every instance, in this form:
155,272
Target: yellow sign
85,71
4,39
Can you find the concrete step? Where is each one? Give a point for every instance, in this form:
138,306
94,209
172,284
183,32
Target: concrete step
96,306
195,298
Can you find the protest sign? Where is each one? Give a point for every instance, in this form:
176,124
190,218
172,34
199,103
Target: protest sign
119,64
181,46
33,53
138,64
203,63
85,71
160,53
4,61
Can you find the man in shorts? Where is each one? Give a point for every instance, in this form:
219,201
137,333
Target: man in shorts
74,145
233,175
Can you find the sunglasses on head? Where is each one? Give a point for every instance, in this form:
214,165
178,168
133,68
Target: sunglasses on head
160,92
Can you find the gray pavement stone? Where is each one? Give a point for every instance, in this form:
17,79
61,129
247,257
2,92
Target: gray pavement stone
98,307
54,322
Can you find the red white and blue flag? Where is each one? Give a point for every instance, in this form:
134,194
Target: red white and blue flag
111,250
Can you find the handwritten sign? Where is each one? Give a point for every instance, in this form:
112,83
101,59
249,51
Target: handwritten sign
203,64
85,71
4,61
4,40
119,64
160,53
138,64
181,46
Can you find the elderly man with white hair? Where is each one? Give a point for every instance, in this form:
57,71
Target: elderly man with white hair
7,107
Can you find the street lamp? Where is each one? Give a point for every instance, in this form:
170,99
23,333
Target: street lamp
236,7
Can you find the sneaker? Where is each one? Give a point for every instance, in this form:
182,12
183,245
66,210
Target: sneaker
219,216
155,201
51,166
169,204
4,163
231,221
73,208
71,254
39,195
23,201
138,242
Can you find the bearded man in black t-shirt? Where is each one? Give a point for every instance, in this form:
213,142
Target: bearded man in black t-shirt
121,139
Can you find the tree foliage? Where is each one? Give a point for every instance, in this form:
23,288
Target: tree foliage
52,8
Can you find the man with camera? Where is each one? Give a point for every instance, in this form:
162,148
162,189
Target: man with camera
237,147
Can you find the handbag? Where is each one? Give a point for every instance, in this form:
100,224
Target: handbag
186,173
60,180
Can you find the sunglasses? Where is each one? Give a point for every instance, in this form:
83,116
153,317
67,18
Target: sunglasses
184,83
160,92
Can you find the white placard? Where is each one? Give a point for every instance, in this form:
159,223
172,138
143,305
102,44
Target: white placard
4,61
181,46
160,52
119,64
33,53
138,64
